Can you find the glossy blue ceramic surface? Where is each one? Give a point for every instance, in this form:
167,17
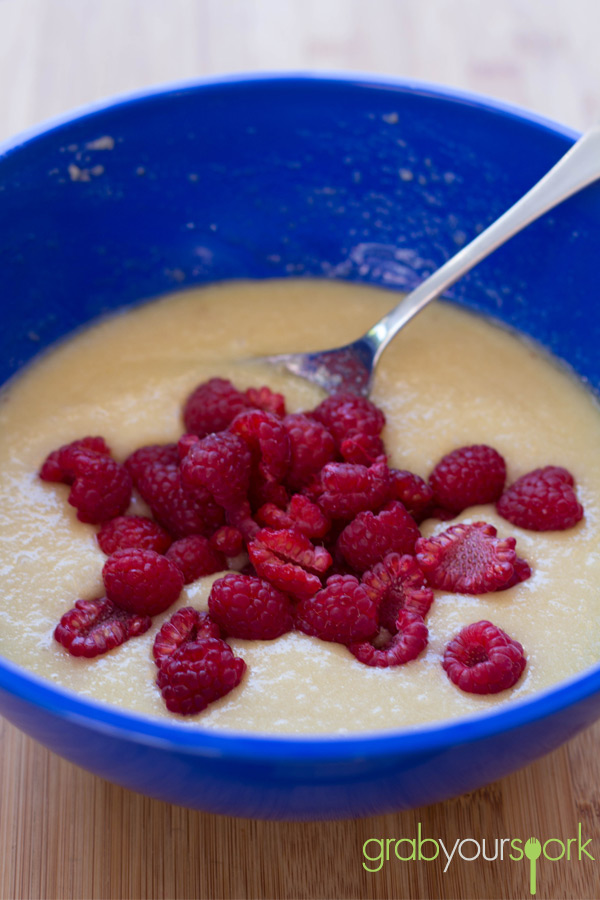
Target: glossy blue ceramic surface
349,178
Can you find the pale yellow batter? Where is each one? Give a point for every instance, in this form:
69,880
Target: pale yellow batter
449,379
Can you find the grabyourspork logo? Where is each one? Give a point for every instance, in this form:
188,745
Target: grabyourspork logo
379,851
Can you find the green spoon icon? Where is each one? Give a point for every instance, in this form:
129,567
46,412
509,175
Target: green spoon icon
533,850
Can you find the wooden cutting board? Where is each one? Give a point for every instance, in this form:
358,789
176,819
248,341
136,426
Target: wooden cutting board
66,835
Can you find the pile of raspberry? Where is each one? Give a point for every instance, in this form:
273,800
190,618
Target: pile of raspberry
318,532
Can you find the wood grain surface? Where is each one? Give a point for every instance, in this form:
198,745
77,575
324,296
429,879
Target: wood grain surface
67,834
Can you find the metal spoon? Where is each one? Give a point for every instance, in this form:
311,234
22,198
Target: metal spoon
350,368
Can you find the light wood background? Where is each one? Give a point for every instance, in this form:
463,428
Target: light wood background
67,834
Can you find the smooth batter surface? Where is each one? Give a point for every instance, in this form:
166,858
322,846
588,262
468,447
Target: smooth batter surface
449,379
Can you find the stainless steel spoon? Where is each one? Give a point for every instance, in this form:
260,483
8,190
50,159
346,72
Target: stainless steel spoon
350,368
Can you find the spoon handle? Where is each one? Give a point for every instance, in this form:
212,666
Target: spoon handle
575,170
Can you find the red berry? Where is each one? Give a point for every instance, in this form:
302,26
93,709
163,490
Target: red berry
521,573
197,674
362,449
195,557
415,494
483,659
177,510
311,447
468,476
101,489
397,583
370,537
240,517
184,445
267,440
141,581
301,514
221,465
93,627
341,612
212,406
266,399
467,559
138,462
58,465
132,531
542,500
343,490
283,558
249,608
408,640
348,415
184,626
228,540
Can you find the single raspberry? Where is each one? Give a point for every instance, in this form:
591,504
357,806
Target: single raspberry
266,399
177,510
138,462
468,476
408,640
141,581
362,449
228,540
343,490
267,440
413,492
467,559
184,626
58,465
341,612
283,558
96,626
311,447
483,659
249,608
132,531
300,513
101,489
221,465
212,406
195,557
184,445
521,573
397,583
348,415
542,500
370,537
197,674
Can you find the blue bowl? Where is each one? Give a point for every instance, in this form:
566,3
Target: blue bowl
263,177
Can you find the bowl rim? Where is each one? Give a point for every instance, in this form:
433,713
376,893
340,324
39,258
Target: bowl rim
191,738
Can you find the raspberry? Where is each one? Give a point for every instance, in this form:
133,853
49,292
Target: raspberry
468,476
542,500
362,449
341,612
198,673
267,440
177,510
184,445
195,557
221,465
212,406
301,514
348,415
311,447
240,518
184,626
141,581
58,465
101,489
483,659
266,399
93,627
228,540
132,531
249,608
342,489
395,584
521,573
468,559
409,639
370,537
282,557
138,462
415,494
